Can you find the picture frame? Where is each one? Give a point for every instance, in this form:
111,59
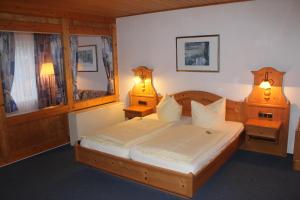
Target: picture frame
87,58
198,53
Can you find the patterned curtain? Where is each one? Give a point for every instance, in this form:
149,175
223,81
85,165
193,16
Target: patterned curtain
42,52
57,60
74,61
7,68
107,61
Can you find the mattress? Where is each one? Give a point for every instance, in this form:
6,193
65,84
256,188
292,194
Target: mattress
186,148
118,139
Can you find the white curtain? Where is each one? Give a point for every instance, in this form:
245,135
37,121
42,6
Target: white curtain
24,89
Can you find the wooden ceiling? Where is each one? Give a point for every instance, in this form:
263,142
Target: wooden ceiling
101,8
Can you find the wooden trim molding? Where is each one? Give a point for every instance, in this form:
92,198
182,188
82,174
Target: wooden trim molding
78,105
84,30
28,10
115,58
40,114
67,61
8,25
25,139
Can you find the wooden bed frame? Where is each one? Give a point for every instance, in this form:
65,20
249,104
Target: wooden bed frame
181,184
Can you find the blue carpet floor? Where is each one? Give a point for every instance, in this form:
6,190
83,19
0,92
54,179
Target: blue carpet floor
56,176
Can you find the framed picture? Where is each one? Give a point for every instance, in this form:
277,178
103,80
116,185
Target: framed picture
198,53
87,58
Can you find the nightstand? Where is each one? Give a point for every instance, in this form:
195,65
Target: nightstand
268,113
263,136
262,130
296,160
137,111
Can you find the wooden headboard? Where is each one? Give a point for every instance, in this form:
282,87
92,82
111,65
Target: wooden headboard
234,109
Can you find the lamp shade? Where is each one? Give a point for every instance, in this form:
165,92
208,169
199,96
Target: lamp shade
47,69
137,79
265,85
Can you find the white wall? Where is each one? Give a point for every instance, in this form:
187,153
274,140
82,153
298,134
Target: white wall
252,35
92,80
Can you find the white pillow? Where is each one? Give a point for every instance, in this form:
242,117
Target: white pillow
209,116
168,109
163,101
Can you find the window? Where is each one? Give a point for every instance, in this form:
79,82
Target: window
32,72
24,89
92,67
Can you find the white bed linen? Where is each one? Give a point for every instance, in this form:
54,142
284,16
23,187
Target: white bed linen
118,139
186,148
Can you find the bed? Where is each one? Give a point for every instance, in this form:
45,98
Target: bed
177,182
118,139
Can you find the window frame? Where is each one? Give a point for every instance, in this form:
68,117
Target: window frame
65,27
77,105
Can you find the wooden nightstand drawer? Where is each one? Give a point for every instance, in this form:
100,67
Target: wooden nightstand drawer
262,132
132,114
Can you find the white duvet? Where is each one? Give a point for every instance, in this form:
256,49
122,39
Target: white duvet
185,148
127,132
118,139
182,143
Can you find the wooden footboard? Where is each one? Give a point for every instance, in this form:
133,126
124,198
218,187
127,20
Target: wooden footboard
203,175
171,181
167,180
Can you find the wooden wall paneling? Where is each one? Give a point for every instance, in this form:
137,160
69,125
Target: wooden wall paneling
14,22
26,139
78,105
3,145
1,94
67,61
90,24
28,9
296,159
27,18
6,25
89,28
41,114
115,58
84,30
